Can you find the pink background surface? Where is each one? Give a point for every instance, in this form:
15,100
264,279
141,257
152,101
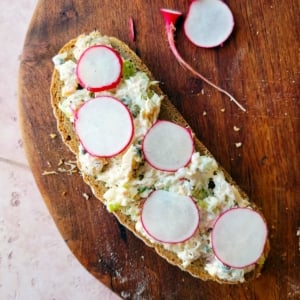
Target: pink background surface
35,263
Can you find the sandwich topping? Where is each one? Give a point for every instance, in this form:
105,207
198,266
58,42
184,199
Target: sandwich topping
130,179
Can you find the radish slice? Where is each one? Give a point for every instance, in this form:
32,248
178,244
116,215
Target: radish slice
238,237
99,68
168,146
131,30
208,23
170,218
104,126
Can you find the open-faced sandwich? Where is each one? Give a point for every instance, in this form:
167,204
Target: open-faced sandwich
142,160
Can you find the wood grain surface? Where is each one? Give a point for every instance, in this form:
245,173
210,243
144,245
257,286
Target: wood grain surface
259,65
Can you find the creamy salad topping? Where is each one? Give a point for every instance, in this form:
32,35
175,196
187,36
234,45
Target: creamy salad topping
129,178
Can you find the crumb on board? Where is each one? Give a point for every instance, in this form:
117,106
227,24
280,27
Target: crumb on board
204,113
284,255
68,167
86,196
53,135
238,145
222,109
46,173
236,129
60,162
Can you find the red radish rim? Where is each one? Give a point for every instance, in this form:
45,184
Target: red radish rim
212,238
131,122
108,86
170,242
213,45
169,170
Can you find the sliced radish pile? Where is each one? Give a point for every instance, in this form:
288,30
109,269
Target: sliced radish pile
170,218
104,126
99,68
208,23
238,237
168,146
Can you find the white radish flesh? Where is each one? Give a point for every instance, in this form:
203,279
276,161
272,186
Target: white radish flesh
238,237
99,68
169,218
208,23
104,126
168,146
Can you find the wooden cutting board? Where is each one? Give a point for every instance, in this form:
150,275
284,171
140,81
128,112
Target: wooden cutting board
259,64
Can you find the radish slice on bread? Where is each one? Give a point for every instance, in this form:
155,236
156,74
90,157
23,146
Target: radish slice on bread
169,218
208,23
104,126
168,146
238,237
99,68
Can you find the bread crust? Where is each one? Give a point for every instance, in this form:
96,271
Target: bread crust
167,112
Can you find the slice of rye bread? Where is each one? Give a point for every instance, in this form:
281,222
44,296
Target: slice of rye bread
167,112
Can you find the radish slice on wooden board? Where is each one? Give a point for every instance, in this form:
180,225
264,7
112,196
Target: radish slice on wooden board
131,30
238,237
99,68
208,23
169,218
168,146
104,126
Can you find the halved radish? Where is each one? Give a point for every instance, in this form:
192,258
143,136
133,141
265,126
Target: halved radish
171,17
168,146
169,218
239,236
99,68
104,126
208,23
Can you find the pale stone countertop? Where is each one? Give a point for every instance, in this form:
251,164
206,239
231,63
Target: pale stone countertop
35,263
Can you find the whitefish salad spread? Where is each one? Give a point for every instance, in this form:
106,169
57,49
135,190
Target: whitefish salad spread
129,178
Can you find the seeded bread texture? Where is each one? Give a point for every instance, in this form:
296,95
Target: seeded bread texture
167,112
